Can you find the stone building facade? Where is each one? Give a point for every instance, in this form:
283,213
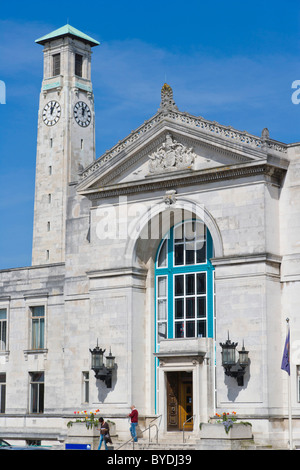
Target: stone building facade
185,232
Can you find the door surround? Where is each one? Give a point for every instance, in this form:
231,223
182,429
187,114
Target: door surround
195,357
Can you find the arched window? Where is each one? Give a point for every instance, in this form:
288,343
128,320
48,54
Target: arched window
184,283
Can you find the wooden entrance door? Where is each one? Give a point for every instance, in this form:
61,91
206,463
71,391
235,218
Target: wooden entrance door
179,401
186,403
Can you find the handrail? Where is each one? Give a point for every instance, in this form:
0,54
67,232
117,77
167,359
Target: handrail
192,417
148,428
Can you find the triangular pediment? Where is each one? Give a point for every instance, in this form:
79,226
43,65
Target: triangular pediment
168,154
175,145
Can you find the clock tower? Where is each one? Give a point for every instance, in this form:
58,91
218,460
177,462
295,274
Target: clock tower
66,136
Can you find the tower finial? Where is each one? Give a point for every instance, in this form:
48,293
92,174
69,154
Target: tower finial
167,101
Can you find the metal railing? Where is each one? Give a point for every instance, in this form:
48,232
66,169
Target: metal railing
192,417
146,429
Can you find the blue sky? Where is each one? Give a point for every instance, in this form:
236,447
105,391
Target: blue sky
231,62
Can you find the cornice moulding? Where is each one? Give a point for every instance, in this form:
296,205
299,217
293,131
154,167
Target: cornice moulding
189,177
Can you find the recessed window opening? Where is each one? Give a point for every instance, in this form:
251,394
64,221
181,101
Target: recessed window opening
78,65
56,64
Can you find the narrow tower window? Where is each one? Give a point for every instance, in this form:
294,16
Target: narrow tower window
56,64
78,65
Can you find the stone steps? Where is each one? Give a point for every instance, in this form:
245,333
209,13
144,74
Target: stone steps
172,442
191,444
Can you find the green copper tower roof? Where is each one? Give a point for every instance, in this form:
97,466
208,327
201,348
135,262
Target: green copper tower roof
67,30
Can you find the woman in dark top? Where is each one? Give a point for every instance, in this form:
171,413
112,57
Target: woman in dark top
104,434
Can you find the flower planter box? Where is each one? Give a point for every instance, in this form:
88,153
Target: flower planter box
80,430
217,431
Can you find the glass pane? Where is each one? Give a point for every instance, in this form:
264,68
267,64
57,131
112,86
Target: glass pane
200,252
179,285
190,307
41,398
35,334
178,255
190,284
3,335
162,257
42,329
179,308
37,311
161,331
34,398
3,314
162,286
201,329
201,283
37,377
179,329
162,309
201,307
2,399
190,253
190,329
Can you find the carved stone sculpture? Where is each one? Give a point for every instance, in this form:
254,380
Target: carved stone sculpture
171,156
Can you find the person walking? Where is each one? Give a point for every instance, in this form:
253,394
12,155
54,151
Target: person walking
104,434
134,416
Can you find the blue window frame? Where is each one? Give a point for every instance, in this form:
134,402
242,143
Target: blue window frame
184,283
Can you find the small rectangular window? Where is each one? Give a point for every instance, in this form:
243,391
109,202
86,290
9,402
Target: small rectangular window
85,387
3,329
56,64
2,392
37,327
36,392
78,65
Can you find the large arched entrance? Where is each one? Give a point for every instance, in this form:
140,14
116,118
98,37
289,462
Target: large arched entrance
181,286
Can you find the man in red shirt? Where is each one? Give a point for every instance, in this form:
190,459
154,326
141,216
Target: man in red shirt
134,416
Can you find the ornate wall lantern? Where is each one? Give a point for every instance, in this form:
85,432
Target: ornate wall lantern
102,372
234,368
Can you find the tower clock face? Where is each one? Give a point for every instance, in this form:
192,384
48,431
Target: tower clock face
82,114
51,113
